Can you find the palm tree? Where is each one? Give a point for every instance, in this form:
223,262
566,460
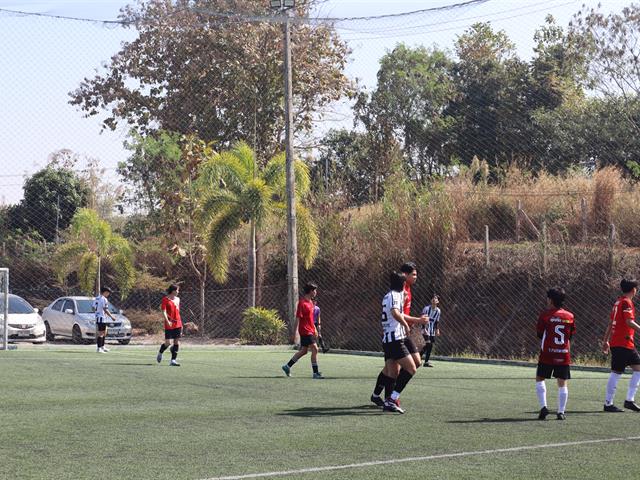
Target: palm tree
236,193
91,242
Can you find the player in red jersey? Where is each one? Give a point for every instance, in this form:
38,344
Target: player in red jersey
619,340
387,377
307,330
555,328
172,324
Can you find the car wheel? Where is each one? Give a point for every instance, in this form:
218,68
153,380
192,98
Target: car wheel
50,336
76,335
124,342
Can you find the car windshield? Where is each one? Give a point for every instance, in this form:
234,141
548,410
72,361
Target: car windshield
86,306
17,305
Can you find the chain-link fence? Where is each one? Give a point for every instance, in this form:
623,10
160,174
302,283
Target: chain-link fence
496,148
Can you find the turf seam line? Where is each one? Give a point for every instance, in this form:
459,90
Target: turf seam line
283,473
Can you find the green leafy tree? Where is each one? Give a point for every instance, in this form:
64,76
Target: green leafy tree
415,85
237,193
90,244
490,109
353,166
51,198
193,72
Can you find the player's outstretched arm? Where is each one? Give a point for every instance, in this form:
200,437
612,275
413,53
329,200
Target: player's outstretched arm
605,340
631,323
401,319
422,320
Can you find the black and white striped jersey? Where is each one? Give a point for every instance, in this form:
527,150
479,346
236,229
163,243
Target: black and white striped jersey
434,318
392,330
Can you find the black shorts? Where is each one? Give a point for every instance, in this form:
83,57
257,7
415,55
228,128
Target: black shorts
622,357
411,347
173,333
101,326
395,350
429,338
306,340
558,371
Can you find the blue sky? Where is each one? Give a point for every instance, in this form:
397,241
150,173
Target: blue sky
43,59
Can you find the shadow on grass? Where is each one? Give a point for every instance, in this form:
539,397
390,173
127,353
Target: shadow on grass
131,364
332,411
532,418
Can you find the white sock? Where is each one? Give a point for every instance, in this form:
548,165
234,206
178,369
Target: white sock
541,391
614,378
563,395
633,387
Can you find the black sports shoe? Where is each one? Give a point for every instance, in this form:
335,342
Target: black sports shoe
612,408
392,406
560,416
377,400
631,406
544,411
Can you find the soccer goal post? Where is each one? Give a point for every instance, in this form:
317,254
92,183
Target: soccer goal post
4,307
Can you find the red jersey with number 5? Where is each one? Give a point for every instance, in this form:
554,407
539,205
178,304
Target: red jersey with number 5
621,333
556,327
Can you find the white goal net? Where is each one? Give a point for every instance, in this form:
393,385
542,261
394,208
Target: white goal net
4,307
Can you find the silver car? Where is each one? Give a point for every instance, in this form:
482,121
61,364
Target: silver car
24,322
74,317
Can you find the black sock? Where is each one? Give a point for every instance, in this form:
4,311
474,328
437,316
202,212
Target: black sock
163,347
292,362
100,342
402,380
427,351
174,352
389,384
314,366
379,384
321,342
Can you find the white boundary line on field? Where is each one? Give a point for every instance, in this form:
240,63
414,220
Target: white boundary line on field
283,473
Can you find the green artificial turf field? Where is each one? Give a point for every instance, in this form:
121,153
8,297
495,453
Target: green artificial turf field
69,413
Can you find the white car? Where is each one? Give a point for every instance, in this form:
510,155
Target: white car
24,322
74,317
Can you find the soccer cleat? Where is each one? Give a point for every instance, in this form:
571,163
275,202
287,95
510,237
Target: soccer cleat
105,349
159,358
630,405
544,411
391,405
560,416
318,376
428,364
287,370
325,350
174,363
377,400
100,350
612,408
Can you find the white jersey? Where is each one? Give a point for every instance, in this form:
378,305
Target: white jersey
392,330
434,318
100,303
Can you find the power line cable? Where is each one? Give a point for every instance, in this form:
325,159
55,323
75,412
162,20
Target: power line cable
259,18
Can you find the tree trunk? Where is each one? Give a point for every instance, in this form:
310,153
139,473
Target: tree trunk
259,270
203,284
98,286
251,281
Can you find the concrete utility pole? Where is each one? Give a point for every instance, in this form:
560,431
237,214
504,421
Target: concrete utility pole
286,6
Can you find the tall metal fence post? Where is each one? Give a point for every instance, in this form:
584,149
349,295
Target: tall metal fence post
486,245
544,246
583,210
612,240
518,208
